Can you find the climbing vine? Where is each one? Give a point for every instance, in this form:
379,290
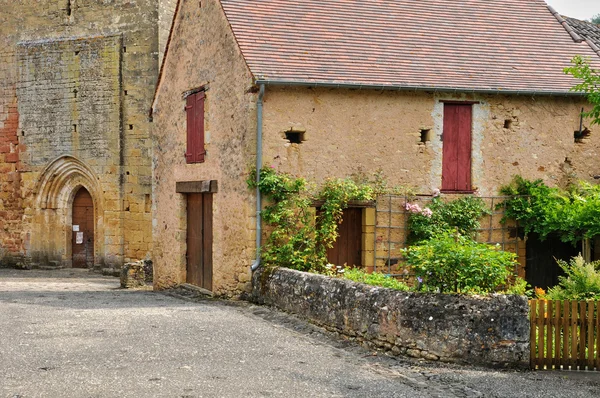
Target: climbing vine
300,236
572,214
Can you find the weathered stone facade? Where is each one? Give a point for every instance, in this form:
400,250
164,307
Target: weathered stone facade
230,140
483,330
345,132
76,82
350,130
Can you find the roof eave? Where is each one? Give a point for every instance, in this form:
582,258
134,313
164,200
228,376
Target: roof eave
395,87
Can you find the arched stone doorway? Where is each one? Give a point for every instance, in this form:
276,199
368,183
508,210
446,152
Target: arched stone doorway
84,221
66,187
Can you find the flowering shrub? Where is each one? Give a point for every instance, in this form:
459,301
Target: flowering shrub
462,214
454,263
416,209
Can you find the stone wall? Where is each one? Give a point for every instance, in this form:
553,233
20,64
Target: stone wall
483,330
76,85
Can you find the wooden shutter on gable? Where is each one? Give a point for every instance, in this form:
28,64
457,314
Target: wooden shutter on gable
456,155
195,128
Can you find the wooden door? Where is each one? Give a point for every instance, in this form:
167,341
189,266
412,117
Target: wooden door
347,247
82,241
456,154
199,240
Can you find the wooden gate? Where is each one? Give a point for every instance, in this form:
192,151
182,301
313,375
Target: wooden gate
199,240
82,241
565,334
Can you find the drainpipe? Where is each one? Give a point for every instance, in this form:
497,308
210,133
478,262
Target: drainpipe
259,131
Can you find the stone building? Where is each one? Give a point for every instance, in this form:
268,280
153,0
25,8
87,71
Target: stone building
76,83
435,97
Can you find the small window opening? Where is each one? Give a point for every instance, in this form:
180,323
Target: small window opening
127,172
22,133
131,127
425,135
507,123
76,52
69,7
75,128
579,135
125,92
124,49
294,137
147,203
75,93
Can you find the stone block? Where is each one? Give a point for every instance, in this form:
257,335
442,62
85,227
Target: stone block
133,275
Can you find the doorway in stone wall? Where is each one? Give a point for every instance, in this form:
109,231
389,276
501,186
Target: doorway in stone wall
347,247
82,241
199,239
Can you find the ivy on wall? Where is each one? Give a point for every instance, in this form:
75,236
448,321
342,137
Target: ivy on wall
300,236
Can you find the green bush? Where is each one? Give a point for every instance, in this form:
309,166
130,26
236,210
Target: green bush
581,281
573,214
519,287
374,279
454,263
462,214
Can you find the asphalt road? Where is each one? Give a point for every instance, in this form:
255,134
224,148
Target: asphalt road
70,333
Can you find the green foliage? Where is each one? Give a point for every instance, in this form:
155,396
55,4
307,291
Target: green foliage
291,243
581,69
454,263
462,214
335,194
374,279
298,239
573,214
520,287
595,19
581,281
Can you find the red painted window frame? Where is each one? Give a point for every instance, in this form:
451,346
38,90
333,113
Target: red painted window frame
194,107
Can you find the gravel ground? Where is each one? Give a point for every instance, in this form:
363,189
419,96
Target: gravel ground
70,333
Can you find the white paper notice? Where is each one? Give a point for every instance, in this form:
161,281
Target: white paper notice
79,238
75,228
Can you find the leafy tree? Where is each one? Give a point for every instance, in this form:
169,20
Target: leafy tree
596,19
590,84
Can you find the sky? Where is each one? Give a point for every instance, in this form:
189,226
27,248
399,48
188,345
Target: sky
580,9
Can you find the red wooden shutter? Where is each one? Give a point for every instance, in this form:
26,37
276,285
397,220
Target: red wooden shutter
195,128
456,156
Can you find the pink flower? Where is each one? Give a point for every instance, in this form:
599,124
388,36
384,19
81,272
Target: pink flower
427,212
413,208
435,193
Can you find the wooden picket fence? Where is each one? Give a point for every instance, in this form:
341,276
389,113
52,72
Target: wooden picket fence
565,334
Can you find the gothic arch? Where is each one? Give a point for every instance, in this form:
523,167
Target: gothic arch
54,194
65,172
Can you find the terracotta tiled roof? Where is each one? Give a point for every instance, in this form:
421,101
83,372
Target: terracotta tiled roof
468,45
587,30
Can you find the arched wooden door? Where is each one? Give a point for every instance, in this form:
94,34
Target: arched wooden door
83,230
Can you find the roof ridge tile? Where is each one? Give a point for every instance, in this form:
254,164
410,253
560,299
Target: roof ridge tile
565,24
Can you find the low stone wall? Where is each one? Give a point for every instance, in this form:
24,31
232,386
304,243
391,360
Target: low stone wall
484,330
